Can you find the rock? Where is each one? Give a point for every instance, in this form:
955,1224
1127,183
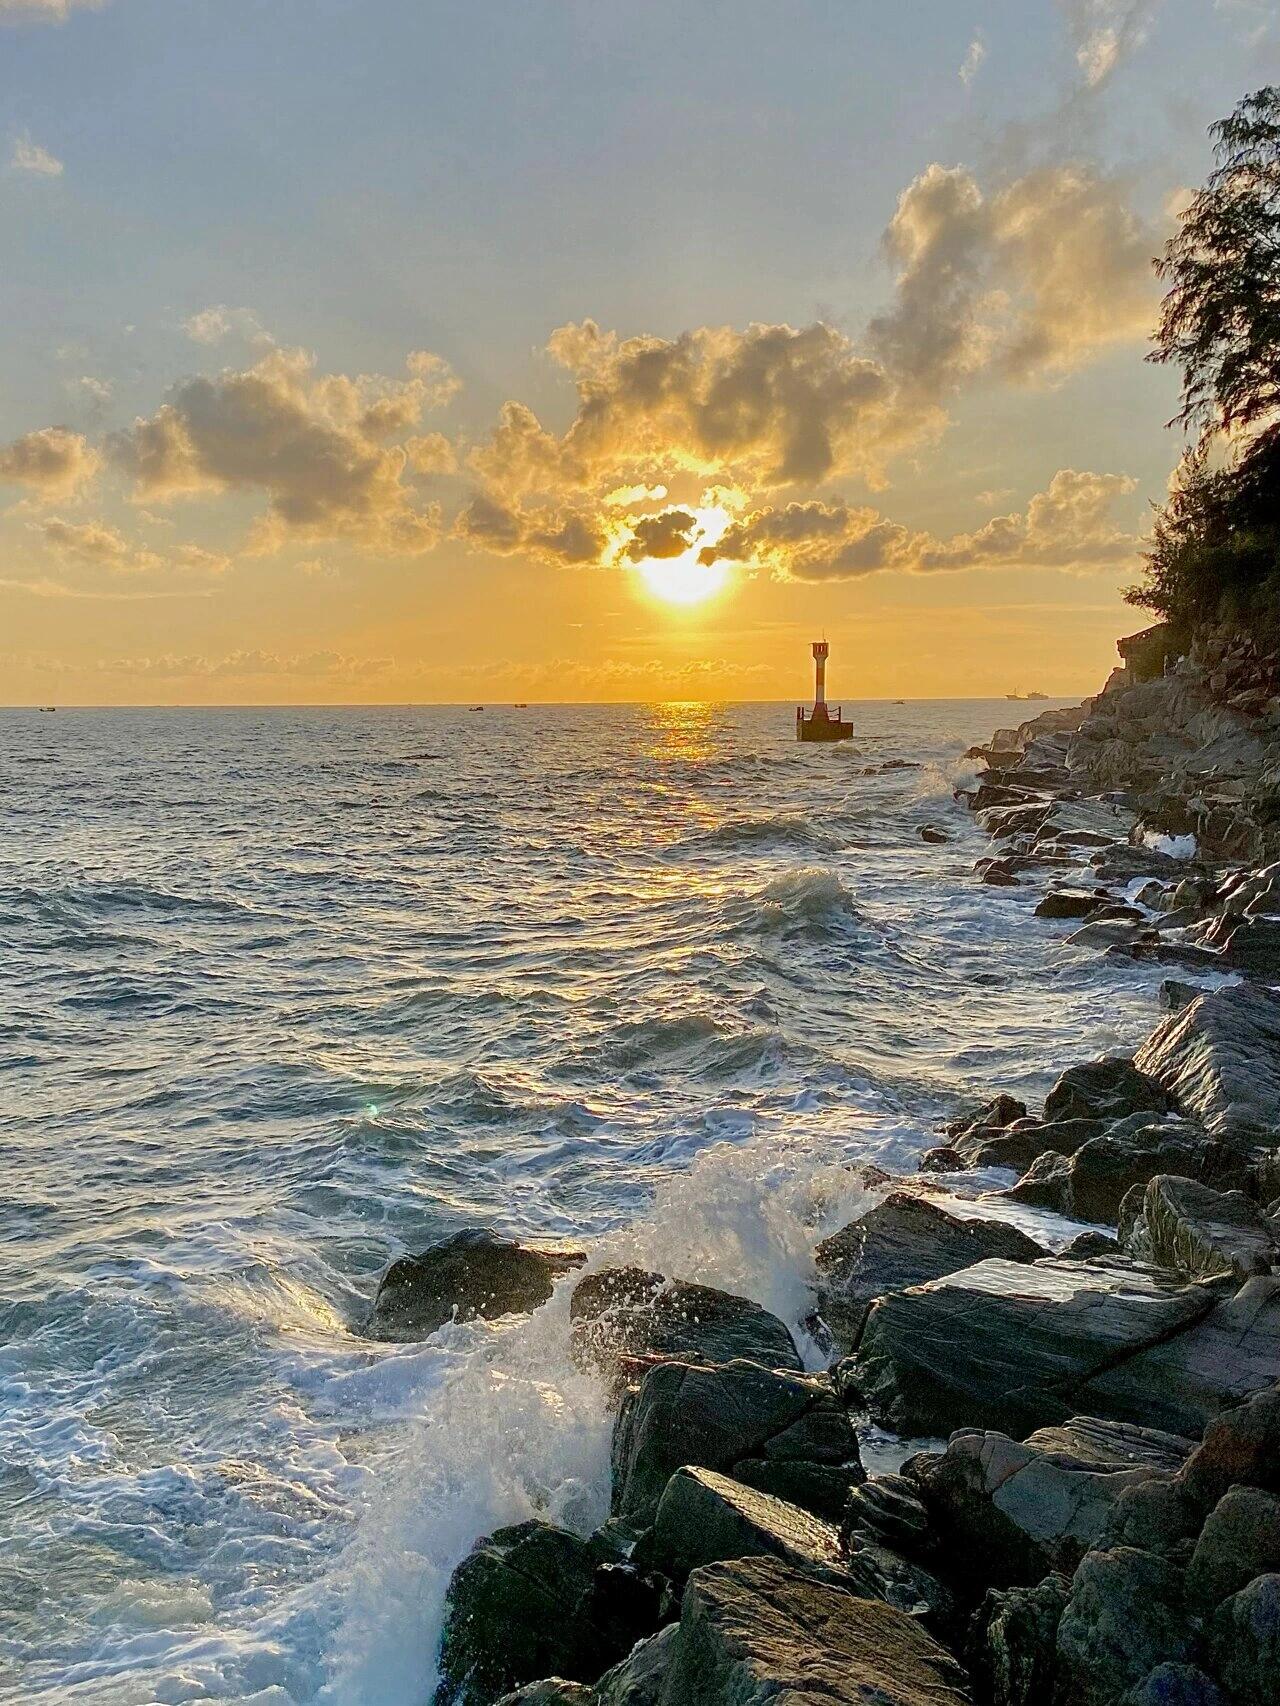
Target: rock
625,1313
1219,1058
903,1241
1022,1144
888,1510
552,1691
941,1159
1011,1345
1086,1245
1244,1642
933,835
1242,1445
996,872
1045,1184
1240,1540
638,1680
1201,1232
1174,996
1013,1645
474,1273
783,1433
1175,1685
1000,1111
704,1517
1093,1182
531,1602
1107,1089
1126,1615
1154,1515
1013,1510
1068,903
1183,1383
877,1572
1116,935
755,1631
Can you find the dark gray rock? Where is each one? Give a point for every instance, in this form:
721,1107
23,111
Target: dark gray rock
533,1601
1021,1144
638,1680
1183,1383
1106,1089
780,1432
1045,1184
1086,1245
1009,1510
1092,1183
1200,1232
1175,1685
1013,1642
1174,995
1240,1540
877,1572
1068,903
1155,1515
929,833
1219,1058
476,1272
552,1691
1002,1110
1011,1345
1125,1616
888,1510
704,1517
904,1240
1244,1642
755,1631
622,1317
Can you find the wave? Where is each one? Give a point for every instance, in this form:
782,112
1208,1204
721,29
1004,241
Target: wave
747,834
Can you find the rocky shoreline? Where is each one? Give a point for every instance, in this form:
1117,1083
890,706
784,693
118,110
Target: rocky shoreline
1102,1524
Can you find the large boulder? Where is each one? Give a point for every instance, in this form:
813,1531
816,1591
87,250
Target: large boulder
1107,1089
535,1601
476,1272
1093,1182
903,1241
1012,1510
783,1433
1126,1615
1175,1685
622,1318
756,1631
551,1691
1241,1445
1013,1642
1200,1232
888,1510
1219,1058
1011,1345
638,1680
1240,1540
1244,1642
703,1518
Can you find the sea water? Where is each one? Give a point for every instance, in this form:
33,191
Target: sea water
290,992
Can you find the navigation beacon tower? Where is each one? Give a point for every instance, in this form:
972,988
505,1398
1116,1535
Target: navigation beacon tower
821,724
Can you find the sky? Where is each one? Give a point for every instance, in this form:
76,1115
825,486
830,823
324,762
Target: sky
402,350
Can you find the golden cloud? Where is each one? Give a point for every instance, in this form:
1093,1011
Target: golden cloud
52,463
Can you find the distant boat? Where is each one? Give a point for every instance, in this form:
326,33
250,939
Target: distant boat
1022,697
48,707
520,705
477,707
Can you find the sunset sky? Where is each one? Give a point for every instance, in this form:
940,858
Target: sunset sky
559,349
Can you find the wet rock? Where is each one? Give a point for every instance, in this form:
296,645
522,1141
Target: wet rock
1107,1089
1240,1540
1086,1245
933,835
621,1316
1155,1515
888,1510
903,1241
1068,903
1013,1644
1002,1110
941,1159
1126,1615
1011,1345
1092,1183
1175,1685
1201,1232
997,872
531,1602
552,1691
1242,1445
1244,1642
1174,995
476,1272
638,1680
1119,935
1045,1184
704,1518
782,1433
1012,1510
878,1572
1219,1058
755,1631
1185,1382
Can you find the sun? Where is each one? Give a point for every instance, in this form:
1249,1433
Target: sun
686,579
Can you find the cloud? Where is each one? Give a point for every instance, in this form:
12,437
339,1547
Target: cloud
1029,281
29,156
431,453
667,534
1104,32
561,538
1068,526
315,444
318,665
212,325
44,11
97,545
52,462
975,53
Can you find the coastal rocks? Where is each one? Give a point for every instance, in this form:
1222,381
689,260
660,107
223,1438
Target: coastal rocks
1069,903
1241,1446
1014,1510
704,1518
1244,1642
1008,1345
552,1691
1092,1183
756,1630
1200,1232
1240,1540
638,1680
1219,1059
934,836
904,1240
1106,1089
1013,1641
782,1433
534,1601
474,1273
1126,1615
625,1315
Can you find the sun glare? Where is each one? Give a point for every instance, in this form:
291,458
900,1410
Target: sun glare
686,579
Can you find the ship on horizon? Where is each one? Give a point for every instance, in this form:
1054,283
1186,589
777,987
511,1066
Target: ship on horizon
1023,697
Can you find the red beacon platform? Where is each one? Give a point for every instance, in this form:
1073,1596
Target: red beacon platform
821,723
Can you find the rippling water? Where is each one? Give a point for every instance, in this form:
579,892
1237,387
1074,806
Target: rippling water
290,992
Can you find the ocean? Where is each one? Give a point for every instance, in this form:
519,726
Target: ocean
290,992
